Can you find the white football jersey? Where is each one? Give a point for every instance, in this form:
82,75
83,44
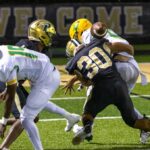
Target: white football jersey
111,36
17,63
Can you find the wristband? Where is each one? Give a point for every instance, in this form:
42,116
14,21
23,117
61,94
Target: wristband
4,121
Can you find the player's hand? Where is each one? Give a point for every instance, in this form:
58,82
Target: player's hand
3,95
2,130
69,87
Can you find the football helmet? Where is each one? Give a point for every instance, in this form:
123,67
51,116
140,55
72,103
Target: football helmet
78,27
42,31
70,47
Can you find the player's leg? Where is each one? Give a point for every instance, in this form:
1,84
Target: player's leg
98,99
16,128
129,74
36,101
71,118
125,105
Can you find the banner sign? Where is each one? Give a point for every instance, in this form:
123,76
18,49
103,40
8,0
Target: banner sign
130,20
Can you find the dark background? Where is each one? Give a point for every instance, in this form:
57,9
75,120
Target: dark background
60,41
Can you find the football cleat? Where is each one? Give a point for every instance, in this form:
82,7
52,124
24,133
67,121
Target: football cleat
77,128
80,136
144,136
74,118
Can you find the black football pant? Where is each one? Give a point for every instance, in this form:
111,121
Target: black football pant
108,91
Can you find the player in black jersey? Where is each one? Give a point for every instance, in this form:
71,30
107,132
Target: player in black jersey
93,63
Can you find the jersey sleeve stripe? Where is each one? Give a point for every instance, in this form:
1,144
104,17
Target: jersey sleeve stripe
11,82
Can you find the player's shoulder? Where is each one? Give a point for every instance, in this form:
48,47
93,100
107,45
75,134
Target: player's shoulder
26,43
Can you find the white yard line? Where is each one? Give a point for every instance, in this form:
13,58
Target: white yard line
97,118
79,98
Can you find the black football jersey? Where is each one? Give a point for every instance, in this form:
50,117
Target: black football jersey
92,60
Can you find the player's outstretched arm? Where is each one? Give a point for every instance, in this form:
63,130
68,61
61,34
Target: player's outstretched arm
117,47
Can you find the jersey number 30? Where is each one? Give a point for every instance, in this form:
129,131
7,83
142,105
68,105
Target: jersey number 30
97,59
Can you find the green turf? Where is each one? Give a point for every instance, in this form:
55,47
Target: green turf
111,134
63,60
108,134
140,58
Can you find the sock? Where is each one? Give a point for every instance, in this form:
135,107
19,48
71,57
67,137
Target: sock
56,109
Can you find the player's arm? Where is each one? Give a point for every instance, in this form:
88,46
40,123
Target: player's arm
9,98
11,89
69,85
99,30
117,47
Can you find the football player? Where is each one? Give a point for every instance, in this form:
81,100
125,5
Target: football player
125,63
93,62
40,33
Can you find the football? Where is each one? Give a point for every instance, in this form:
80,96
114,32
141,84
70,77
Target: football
98,29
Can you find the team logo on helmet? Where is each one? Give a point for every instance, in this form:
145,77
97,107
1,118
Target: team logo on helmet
78,27
42,31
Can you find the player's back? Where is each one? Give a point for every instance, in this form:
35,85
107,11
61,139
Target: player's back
94,59
29,64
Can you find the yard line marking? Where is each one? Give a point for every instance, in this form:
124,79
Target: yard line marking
67,98
97,118
79,98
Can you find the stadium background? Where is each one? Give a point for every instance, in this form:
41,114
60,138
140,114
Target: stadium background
112,134
129,19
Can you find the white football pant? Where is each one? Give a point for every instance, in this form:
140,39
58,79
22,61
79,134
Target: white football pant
36,101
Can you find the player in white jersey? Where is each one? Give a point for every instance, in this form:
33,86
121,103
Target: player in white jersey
19,64
125,63
36,41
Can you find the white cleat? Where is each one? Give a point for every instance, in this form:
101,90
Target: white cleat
144,137
74,118
76,128
80,136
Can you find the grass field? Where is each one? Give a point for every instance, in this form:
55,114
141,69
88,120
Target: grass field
108,133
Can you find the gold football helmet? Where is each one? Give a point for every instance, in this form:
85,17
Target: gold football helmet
42,31
70,47
78,27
